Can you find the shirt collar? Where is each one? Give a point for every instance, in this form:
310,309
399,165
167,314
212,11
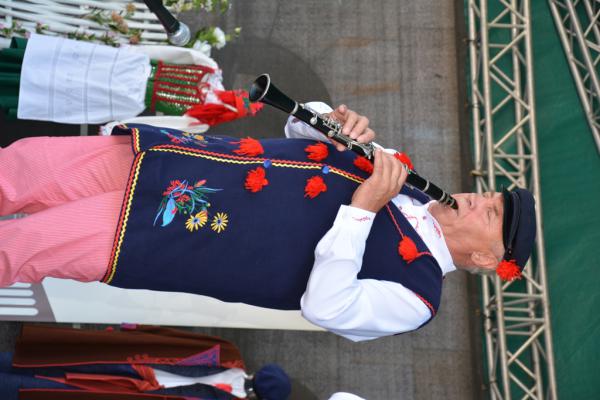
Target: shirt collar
428,229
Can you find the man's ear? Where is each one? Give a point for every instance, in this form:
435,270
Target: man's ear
484,259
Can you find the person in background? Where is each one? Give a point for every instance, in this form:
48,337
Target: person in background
136,362
49,78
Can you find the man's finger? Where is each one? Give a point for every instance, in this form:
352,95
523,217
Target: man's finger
387,168
351,118
403,174
378,163
396,172
361,125
367,136
341,109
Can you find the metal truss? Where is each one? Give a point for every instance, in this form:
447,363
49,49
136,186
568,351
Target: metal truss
578,26
520,361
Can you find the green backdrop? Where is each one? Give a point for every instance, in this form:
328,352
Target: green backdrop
570,183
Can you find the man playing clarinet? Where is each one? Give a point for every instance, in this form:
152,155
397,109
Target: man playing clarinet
278,223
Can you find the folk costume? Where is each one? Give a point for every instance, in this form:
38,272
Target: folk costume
76,82
235,219
136,362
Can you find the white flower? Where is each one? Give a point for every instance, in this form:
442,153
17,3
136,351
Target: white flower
219,36
202,47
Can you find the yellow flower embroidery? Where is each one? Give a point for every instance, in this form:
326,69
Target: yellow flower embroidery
219,222
196,221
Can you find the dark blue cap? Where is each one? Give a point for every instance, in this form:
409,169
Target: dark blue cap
519,225
272,383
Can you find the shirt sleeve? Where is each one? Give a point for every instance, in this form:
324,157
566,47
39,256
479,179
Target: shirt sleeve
344,396
296,129
357,309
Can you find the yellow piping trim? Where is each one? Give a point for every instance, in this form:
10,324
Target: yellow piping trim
125,219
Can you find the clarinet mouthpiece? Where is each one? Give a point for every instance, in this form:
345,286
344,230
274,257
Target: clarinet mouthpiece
453,203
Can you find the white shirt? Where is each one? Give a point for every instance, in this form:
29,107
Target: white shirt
344,396
235,377
363,309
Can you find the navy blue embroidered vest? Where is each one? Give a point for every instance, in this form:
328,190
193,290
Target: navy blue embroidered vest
191,223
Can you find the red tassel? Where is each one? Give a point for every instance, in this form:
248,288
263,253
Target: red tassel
317,152
404,159
314,187
249,147
255,180
408,249
363,164
508,270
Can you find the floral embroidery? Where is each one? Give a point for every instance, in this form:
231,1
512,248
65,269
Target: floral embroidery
414,221
183,198
185,138
196,221
146,359
437,229
219,222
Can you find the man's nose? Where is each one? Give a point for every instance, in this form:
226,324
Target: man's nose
475,200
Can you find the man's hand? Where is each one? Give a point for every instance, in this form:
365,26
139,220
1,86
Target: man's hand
354,125
385,183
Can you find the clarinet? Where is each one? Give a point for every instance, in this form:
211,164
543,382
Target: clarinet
264,91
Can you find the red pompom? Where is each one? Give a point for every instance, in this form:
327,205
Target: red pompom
408,249
363,164
255,180
317,152
508,270
314,187
404,159
249,147
224,387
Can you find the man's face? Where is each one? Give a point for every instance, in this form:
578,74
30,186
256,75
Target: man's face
477,223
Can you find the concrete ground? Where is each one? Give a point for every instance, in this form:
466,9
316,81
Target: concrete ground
395,61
